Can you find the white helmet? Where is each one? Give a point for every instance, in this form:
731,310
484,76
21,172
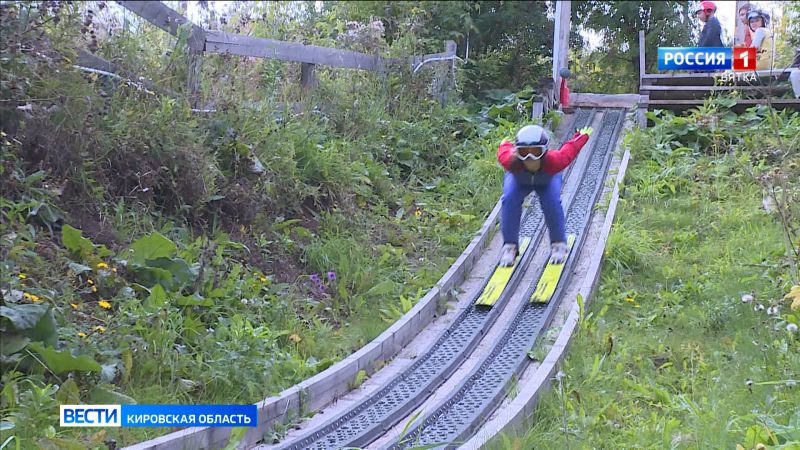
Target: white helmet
531,136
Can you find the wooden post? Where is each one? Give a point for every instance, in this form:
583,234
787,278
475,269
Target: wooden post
450,49
642,65
193,76
308,77
561,43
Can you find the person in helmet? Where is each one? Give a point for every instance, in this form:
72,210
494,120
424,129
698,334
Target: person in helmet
530,166
711,36
762,38
743,36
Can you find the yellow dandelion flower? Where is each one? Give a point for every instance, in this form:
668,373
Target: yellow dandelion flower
418,213
22,276
99,328
81,334
264,279
102,265
26,295
74,305
94,288
90,282
295,338
35,298
104,304
629,299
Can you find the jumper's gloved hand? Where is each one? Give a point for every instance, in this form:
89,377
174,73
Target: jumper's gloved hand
586,130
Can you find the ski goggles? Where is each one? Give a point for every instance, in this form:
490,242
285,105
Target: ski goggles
530,152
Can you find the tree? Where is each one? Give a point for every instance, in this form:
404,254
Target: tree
664,23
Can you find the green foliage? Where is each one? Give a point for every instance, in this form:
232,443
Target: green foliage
64,361
182,275
613,67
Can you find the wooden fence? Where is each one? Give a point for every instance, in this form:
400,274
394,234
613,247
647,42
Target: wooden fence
208,41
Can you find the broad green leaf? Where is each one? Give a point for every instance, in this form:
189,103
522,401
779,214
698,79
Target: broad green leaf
152,247
45,330
64,361
177,267
103,396
26,316
81,246
68,393
12,344
194,300
150,276
157,297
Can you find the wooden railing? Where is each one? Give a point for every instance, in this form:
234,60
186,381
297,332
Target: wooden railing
207,41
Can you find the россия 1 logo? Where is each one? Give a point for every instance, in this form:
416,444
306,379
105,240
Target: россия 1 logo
706,58
694,58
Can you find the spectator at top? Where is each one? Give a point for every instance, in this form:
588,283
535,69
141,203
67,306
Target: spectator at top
762,38
711,36
794,75
743,36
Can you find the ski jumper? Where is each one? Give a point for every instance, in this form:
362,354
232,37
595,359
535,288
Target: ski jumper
518,183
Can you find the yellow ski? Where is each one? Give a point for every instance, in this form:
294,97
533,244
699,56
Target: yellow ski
552,273
497,283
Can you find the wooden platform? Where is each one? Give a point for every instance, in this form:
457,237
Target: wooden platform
679,91
682,91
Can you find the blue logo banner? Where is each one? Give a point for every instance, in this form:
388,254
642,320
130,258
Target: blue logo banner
189,415
695,58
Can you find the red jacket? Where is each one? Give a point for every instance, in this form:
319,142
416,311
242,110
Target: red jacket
554,161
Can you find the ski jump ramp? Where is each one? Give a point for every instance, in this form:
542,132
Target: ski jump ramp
441,374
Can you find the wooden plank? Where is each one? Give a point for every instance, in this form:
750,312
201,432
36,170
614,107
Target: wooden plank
167,19
781,73
699,95
693,92
538,110
793,102
712,88
561,40
236,44
604,100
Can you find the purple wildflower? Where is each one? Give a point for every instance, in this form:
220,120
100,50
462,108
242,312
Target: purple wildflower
315,278
331,276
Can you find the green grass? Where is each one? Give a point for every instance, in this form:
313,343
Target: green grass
671,356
